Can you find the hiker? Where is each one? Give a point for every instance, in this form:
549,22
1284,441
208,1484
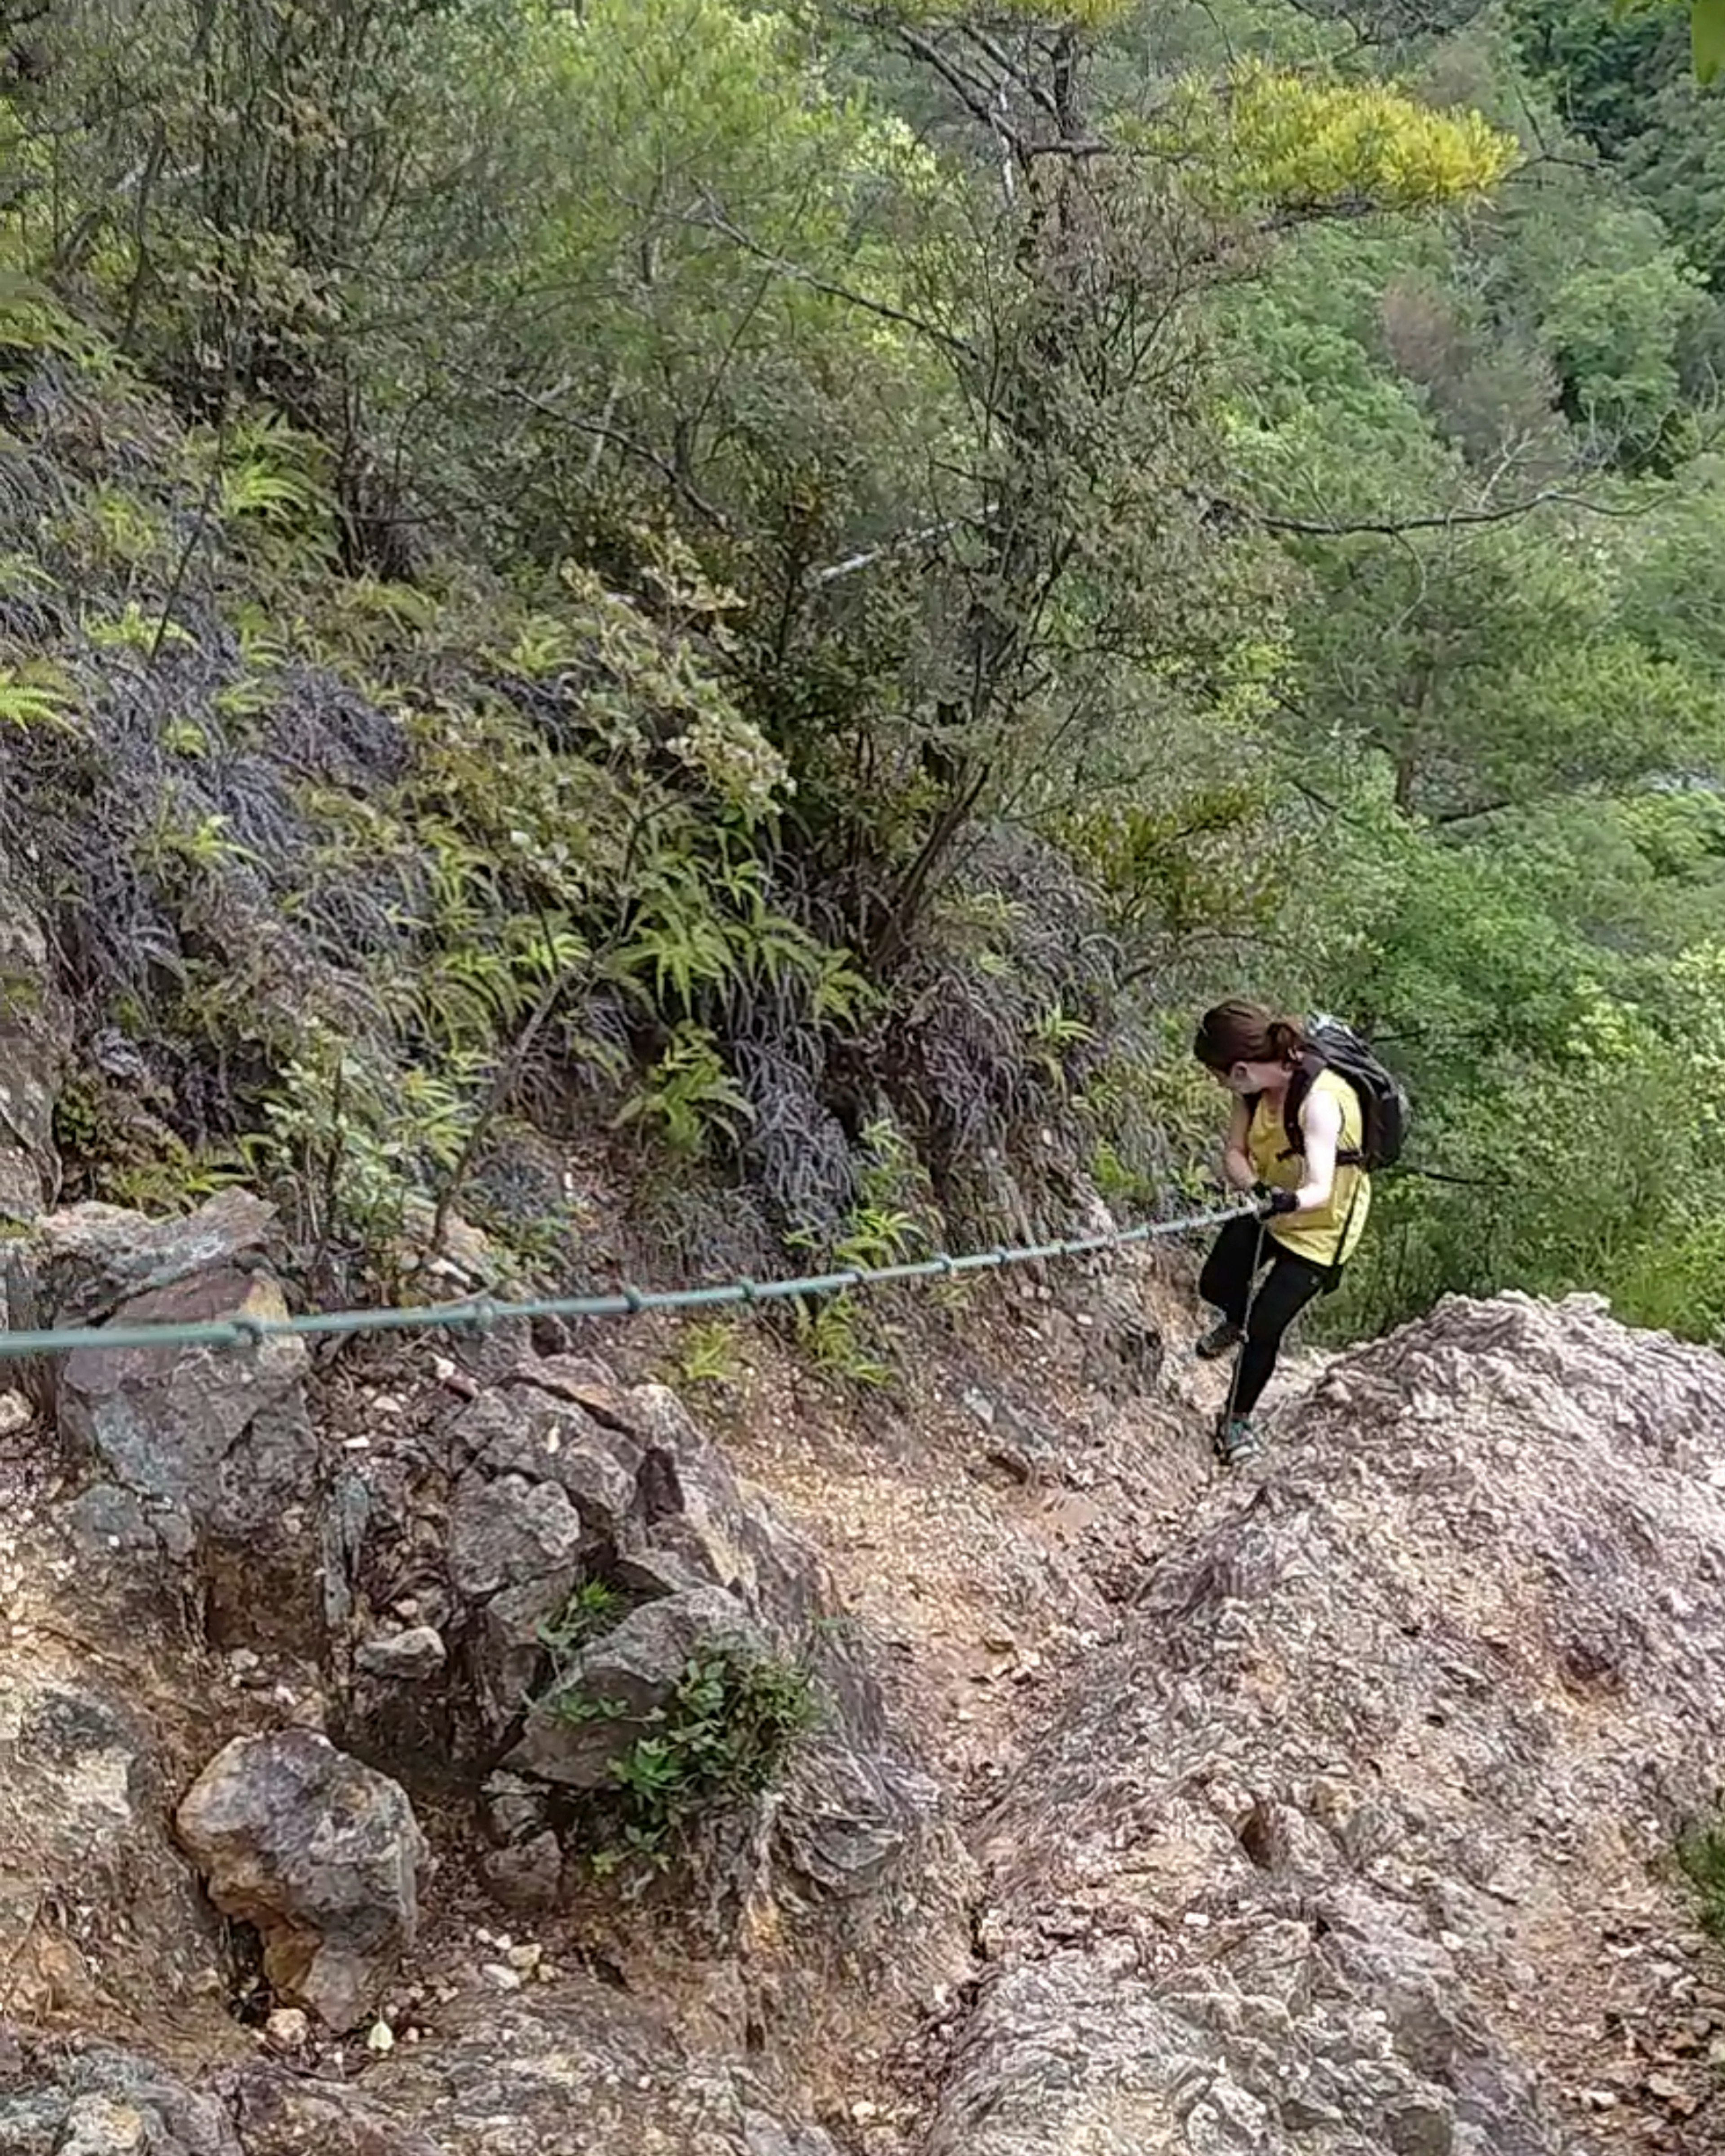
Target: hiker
1298,1134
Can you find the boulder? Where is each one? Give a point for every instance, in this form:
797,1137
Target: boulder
318,1852
203,1456
86,1261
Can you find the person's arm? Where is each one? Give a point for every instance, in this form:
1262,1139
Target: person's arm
1237,1169
1321,1123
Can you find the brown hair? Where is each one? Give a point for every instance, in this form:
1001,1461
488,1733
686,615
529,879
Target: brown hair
1237,1032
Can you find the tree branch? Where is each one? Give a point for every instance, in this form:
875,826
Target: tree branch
643,452
1393,527
715,220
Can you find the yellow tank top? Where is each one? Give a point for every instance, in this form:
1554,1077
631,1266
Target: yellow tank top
1315,1235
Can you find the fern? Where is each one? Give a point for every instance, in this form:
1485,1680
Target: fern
135,629
35,697
688,1098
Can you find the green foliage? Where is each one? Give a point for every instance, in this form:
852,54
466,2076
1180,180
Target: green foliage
592,1607
1701,1856
707,1354
726,1737
1282,137
687,1098
353,1146
34,696
894,1220
787,588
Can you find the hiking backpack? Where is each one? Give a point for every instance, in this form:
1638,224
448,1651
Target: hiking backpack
1384,1104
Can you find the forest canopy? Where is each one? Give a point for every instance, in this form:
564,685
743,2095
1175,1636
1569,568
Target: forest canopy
912,544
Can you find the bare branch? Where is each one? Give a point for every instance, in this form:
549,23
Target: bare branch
1394,528
715,220
641,452
896,545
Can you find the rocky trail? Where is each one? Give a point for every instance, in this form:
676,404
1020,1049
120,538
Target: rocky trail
1327,1809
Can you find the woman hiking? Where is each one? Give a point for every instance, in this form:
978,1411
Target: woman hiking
1317,1197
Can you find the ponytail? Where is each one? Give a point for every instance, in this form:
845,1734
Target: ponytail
1285,1040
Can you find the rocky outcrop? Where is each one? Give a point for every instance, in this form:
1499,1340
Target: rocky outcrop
1350,1842
1332,1851
507,2080
433,1579
201,1470
577,2073
320,1854
560,1478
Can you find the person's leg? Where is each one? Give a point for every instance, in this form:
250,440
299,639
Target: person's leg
1291,1283
1226,1282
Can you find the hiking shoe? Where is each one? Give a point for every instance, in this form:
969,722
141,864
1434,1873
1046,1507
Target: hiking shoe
1236,1441
1217,1341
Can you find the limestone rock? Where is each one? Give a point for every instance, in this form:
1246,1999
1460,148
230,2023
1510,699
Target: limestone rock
320,1853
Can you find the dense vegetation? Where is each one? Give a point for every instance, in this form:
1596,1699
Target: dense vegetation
802,581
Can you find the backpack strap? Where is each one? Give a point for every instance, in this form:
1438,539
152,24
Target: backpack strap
1306,1073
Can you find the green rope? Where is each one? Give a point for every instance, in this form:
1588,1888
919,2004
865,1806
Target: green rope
481,1313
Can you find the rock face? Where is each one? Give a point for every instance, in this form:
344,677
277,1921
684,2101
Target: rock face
203,1456
82,1802
1329,1851
509,2082
35,1041
318,1852
558,1477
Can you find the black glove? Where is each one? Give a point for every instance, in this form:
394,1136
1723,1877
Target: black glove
1279,1201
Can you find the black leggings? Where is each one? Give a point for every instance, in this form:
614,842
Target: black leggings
1291,1283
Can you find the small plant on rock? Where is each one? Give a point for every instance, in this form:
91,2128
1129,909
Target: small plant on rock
591,1608
1700,1853
726,1737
